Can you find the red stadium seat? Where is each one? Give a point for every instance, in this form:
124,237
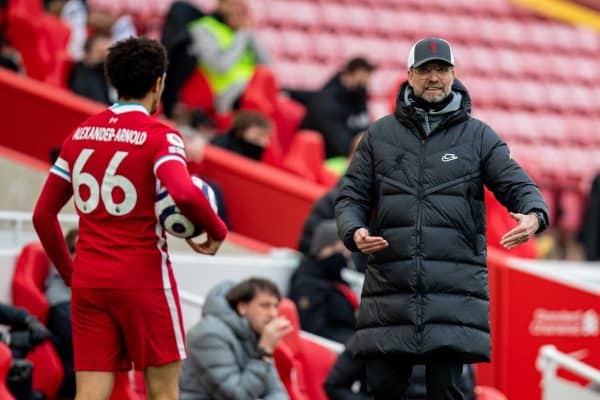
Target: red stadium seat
42,42
489,393
31,269
306,158
303,365
197,93
5,363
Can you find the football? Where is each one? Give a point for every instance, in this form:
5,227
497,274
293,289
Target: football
170,217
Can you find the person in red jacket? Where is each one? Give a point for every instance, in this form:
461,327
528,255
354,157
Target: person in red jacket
125,306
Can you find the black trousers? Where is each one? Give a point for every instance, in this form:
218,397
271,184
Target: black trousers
388,377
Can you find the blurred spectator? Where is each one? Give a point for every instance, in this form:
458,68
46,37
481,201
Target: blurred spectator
87,76
79,18
339,110
228,51
10,57
326,304
589,235
324,209
177,39
26,332
230,349
248,136
58,295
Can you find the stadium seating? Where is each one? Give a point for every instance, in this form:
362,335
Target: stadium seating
5,363
306,158
303,365
31,269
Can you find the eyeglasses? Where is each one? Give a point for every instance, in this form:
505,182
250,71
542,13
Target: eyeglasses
428,68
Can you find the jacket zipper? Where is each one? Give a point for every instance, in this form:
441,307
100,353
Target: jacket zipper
419,246
427,123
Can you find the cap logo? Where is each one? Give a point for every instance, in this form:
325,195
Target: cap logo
433,47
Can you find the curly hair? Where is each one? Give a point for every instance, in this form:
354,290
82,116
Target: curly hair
133,65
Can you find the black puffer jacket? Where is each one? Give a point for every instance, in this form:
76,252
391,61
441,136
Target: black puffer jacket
428,291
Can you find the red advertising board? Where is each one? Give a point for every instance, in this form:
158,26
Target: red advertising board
537,304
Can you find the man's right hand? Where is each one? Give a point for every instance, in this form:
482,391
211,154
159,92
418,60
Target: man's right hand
209,247
273,332
368,244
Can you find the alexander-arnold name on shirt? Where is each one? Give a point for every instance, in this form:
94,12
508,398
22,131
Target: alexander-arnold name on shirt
107,134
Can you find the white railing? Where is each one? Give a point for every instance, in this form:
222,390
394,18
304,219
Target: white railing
554,387
20,222
196,302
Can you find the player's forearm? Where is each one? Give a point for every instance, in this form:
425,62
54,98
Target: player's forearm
55,194
190,200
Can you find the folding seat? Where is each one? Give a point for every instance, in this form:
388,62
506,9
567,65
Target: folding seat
197,93
334,17
310,362
512,32
587,40
296,44
358,18
326,47
508,62
553,66
536,36
295,14
352,45
271,38
306,158
396,24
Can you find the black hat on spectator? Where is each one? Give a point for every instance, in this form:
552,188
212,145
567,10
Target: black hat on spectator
325,234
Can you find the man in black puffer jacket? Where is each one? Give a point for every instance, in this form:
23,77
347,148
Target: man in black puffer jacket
416,181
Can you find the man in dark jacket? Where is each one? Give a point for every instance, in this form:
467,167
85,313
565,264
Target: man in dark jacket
326,304
339,110
87,76
230,349
416,181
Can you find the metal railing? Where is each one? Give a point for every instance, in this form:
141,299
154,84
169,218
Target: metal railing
554,387
18,221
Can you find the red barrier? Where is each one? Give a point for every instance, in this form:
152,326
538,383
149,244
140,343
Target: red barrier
531,307
36,117
263,202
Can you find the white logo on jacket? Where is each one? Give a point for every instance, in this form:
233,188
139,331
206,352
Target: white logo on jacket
449,157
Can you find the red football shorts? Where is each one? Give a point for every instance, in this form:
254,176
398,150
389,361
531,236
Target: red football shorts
114,327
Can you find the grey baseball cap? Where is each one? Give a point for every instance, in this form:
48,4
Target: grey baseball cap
430,49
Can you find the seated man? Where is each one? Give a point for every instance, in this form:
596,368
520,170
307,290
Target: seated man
228,51
248,136
326,304
87,76
339,110
230,349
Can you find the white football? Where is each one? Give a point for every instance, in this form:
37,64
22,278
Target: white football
170,217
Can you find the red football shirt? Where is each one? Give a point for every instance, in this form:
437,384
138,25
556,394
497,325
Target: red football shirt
111,161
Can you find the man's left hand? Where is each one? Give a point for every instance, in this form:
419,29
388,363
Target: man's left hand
528,226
